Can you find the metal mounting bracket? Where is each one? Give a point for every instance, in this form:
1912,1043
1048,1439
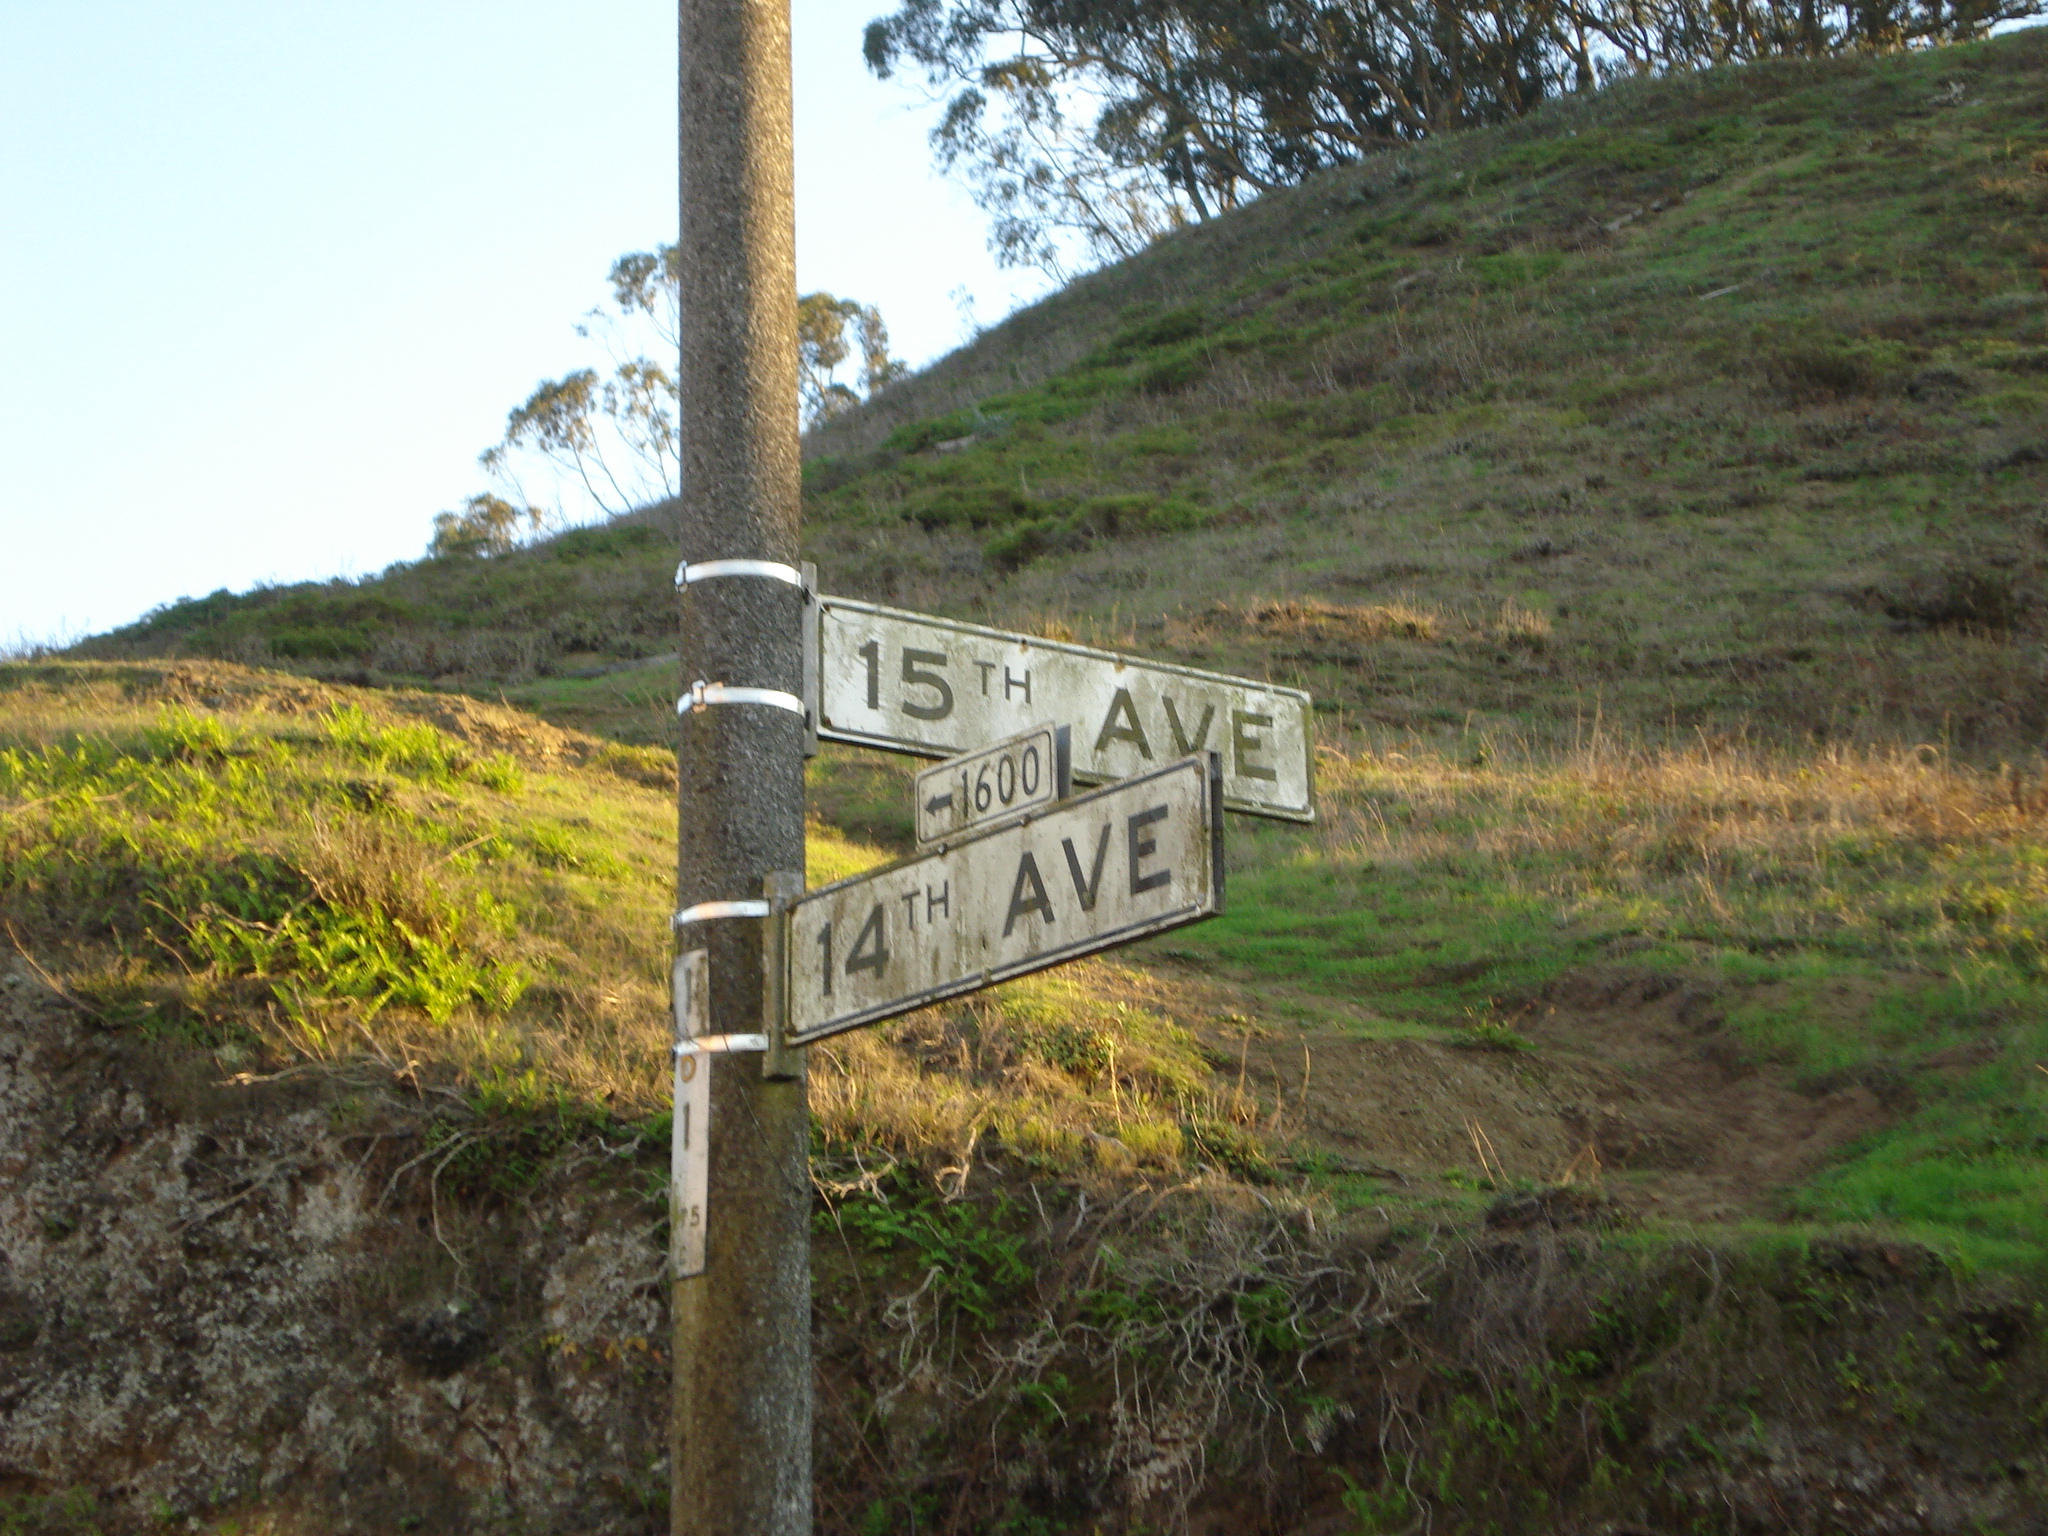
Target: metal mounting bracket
711,911
771,570
783,1060
718,1045
703,695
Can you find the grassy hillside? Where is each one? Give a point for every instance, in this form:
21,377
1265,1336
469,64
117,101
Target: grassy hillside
1711,403
592,593
277,871
1537,1140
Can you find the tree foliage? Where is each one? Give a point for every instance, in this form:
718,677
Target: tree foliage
1650,36
607,437
486,525
610,434
829,331
1110,122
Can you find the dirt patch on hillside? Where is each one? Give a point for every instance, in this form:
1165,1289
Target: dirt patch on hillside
197,685
1632,1080
499,728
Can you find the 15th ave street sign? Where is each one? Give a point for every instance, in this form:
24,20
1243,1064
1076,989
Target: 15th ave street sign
1102,869
908,682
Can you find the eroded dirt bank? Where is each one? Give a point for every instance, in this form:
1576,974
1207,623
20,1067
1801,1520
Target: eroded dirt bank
229,1298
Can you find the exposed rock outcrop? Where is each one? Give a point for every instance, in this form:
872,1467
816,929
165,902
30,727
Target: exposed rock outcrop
254,1297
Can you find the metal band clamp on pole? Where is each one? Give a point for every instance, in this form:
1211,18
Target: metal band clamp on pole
702,695
718,1045
707,570
708,911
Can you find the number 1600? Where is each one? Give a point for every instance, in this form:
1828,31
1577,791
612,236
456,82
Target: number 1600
998,782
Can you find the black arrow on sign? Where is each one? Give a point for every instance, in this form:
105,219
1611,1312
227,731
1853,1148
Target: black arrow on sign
939,803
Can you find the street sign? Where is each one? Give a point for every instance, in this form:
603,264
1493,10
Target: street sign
994,786
908,682
1099,870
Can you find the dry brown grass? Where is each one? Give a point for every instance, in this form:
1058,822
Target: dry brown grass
1900,854
1094,1065
2012,191
1519,625
1725,794
1308,619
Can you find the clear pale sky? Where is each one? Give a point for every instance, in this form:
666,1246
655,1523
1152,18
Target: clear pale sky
272,273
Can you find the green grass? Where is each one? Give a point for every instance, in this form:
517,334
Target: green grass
633,704
308,880
158,839
1425,944
57,1514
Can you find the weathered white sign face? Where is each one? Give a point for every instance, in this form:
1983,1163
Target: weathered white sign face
907,682
690,1137
1097,871
994,786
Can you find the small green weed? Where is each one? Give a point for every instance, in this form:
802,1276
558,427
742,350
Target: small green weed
972,1254
1386,1507
73,1513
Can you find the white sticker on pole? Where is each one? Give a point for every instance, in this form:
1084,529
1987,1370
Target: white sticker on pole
909,682
1096,871
690,1137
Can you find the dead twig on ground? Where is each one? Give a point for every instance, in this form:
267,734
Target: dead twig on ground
1482,1145
50,981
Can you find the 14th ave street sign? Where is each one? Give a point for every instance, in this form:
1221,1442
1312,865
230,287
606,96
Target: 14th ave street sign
908,682
1099,870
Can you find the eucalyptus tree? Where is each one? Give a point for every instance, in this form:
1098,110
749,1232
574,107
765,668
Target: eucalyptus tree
607,435
1100,125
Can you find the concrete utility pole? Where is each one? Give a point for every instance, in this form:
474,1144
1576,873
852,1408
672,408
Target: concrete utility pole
741,1435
